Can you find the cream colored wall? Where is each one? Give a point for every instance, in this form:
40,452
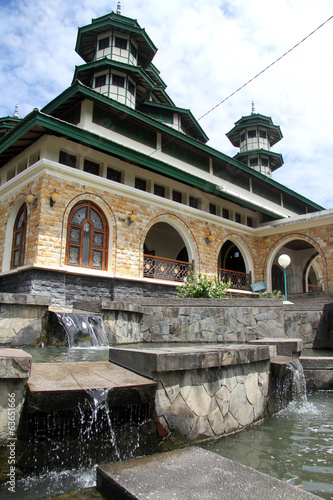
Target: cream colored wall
47,226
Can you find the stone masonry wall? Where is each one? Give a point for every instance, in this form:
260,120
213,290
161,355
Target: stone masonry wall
47,231
219,321
229,322
198,404
193,320
21,318
147,319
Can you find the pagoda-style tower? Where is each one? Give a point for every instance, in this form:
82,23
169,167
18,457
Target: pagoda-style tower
255,135
118,57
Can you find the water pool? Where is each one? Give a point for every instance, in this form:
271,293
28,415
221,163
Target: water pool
67,354
295,445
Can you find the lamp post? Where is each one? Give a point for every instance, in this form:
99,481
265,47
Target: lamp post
284,261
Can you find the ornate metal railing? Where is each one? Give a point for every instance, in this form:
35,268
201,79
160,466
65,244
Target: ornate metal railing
314,288
240,281
166,269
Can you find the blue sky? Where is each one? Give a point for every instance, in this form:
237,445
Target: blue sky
206,50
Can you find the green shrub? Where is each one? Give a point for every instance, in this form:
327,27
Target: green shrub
202,287
276,294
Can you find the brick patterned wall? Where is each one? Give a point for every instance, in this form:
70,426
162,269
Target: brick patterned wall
47,231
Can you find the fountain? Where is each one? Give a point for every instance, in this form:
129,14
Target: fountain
80,329
107,423
72,442
287,383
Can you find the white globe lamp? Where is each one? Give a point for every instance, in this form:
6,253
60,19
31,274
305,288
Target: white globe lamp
284,261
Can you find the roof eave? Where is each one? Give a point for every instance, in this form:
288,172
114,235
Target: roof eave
100,143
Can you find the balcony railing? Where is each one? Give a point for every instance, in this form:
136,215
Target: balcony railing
166,269
240,281
314,288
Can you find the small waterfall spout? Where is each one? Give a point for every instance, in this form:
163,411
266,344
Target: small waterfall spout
103,425
297,380
287,384
99,418
83,330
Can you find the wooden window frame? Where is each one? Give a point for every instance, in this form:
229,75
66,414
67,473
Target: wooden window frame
104,249
121,43
22,231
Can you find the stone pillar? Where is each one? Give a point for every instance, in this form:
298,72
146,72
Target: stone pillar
15,368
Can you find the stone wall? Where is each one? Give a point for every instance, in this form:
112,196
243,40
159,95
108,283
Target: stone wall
193,320
312,322
199,404
146,319
21,318
66,289
318,372
15,367
222,320
203,391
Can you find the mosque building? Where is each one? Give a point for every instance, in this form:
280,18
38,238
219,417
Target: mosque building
111,190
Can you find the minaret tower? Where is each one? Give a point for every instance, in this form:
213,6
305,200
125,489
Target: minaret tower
117,53
255,135
15,115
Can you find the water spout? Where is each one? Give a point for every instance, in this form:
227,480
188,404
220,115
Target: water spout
287,384
100,417
83,330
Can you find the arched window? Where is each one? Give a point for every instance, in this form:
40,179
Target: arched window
233,258
87,237
18,247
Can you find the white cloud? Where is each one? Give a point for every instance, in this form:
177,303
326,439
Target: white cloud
207,50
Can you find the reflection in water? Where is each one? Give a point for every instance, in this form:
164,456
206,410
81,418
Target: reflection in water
317,353
296,445
67,354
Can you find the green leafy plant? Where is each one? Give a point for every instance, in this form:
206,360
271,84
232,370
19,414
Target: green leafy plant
276,294
202,287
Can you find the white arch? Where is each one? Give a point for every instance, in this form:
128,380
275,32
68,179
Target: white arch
273,255
249,268
178,225
314,264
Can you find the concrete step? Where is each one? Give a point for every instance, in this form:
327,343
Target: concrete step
190,474
61,386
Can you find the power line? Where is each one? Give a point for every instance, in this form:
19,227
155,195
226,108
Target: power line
256,76
267,67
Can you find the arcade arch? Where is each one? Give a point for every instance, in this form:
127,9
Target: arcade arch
235,264
304,274
168,252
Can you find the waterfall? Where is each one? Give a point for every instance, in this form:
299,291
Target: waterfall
298,383
287,384
100,418
94,431
83,330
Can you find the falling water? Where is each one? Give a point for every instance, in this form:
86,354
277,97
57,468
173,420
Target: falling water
62,448
83,329
292,387
100,418
287,383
